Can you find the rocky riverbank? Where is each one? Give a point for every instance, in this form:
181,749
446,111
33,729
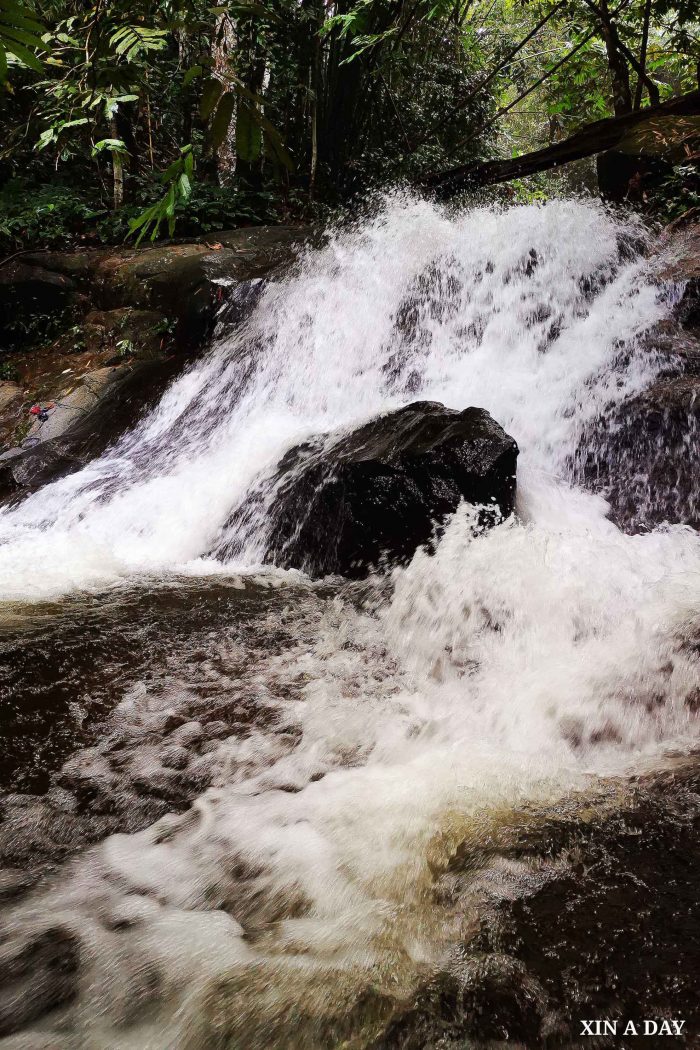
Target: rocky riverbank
122,323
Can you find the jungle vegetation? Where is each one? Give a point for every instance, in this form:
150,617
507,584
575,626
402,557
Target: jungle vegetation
124,117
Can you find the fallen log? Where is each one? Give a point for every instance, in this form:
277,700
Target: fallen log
594,138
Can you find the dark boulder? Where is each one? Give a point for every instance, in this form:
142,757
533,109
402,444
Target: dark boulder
374,496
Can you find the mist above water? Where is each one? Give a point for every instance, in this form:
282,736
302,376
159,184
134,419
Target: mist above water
513,666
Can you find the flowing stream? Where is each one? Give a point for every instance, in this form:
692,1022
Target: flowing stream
368,729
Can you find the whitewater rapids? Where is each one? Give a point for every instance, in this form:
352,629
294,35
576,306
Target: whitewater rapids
510,667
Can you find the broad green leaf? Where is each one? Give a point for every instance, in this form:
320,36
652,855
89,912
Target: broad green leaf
21,35
26,57
248,133
211,94
192,72
222,119
113,145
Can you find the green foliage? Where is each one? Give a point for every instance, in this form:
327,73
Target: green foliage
20,37
677,193
178,178
229,98
292,107
58,217
47,216
8,372
134,42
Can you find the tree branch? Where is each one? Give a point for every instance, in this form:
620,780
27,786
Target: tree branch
642,76
639,67
594,138
487,80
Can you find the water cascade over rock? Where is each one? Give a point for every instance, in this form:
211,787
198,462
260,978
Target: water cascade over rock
292,814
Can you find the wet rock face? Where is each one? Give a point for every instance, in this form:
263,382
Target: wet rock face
376,495
84,425
643,458
185,282
589,916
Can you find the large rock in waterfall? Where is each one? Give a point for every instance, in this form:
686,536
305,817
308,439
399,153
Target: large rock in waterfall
374,496
644,458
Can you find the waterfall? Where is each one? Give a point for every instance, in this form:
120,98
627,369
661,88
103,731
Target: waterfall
521,312
512,666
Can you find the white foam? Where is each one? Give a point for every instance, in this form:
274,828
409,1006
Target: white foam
413,304
510,666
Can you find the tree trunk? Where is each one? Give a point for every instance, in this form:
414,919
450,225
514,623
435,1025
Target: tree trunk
590,140
117,170
223,45
619,72
643,56
253,76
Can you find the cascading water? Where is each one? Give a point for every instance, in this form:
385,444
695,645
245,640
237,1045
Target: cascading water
510,667
523,313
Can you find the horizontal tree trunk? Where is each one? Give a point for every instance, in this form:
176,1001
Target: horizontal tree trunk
592,139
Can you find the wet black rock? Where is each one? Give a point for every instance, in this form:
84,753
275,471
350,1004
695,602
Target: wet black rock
590,910
643,455
644,458
373,497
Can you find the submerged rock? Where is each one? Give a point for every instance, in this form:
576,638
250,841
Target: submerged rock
377,494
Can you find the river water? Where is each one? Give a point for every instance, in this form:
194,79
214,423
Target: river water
240,793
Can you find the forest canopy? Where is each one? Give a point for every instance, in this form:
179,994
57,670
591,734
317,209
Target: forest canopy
122,118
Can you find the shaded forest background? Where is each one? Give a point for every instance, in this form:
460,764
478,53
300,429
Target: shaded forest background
129,118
